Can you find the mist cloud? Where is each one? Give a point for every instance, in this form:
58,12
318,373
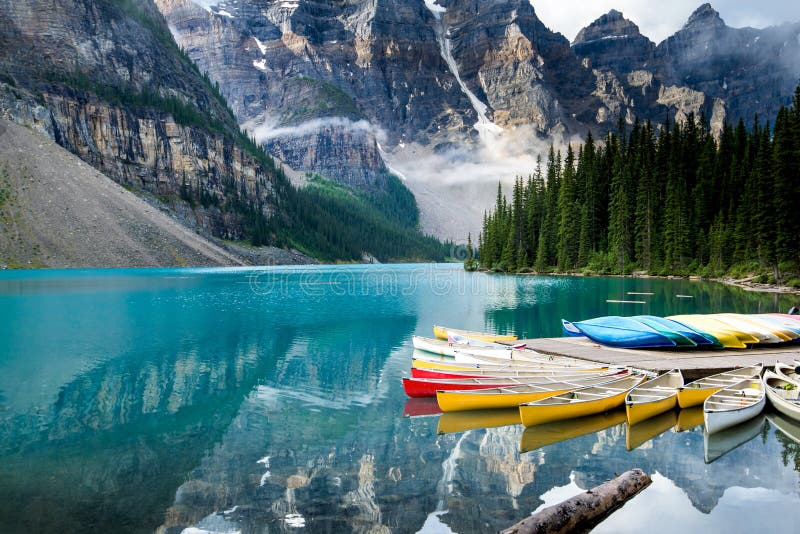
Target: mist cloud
268,131
454,188
659,20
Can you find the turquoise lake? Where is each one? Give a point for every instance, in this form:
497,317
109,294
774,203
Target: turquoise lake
270,400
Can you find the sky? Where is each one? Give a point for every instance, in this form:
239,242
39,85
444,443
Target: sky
658,20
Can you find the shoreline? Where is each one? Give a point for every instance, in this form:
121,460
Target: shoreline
745,283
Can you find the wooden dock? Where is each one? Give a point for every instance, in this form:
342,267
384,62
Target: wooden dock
693,362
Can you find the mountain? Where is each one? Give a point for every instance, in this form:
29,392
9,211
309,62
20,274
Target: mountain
705,67
453,95
106,80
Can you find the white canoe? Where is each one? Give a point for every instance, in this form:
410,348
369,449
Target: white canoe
472,355
788,371
734,404
447,348
783,394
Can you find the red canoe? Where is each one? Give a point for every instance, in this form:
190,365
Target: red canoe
427,387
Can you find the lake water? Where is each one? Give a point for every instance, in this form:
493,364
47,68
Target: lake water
270,400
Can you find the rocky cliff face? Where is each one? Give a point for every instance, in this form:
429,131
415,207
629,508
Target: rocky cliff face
337,88
321,83
108,83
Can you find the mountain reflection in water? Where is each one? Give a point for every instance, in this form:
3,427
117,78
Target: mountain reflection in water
265,400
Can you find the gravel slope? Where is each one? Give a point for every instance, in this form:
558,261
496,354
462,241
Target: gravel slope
57,211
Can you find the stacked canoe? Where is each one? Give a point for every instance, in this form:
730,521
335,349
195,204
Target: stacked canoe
709,331
478,381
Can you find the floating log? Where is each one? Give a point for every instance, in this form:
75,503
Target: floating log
626,301
585,511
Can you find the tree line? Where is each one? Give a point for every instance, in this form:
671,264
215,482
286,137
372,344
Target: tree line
667,199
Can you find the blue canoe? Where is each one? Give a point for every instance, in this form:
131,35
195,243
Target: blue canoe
571,330
621,332
699,338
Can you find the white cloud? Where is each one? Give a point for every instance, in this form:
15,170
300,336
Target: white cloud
658,20
266,131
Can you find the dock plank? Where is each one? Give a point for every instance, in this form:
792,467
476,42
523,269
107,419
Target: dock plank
694,363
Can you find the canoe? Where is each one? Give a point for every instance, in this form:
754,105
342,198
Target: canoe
442,332
679,339
508,397
774,324
450,422
695,393
721,443
783,394
788,371
585,401
734,404
473,355
449,348
786,324
428,361
539,436
624,332
642,432
424,363
764,333
427,387
730,338
502,373
653,397
689,418
693,335
570,329
455,338
787,316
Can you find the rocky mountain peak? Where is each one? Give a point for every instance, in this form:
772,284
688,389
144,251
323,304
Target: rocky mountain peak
609,26
703,17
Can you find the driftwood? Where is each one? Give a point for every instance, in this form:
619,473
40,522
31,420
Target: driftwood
585,511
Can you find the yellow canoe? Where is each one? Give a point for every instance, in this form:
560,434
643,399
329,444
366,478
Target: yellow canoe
697,392
653,397
460,421
729,338
511,396
639,433
542,435
585,401
441,332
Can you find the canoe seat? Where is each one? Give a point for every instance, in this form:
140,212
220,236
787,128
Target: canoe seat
723,404
583,394
641,396
660,389
790,395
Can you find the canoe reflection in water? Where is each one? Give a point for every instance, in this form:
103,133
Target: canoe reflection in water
636,435
689,418
721,443
451,422
538,436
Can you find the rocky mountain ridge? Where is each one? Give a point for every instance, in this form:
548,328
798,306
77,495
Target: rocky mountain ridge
350,90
